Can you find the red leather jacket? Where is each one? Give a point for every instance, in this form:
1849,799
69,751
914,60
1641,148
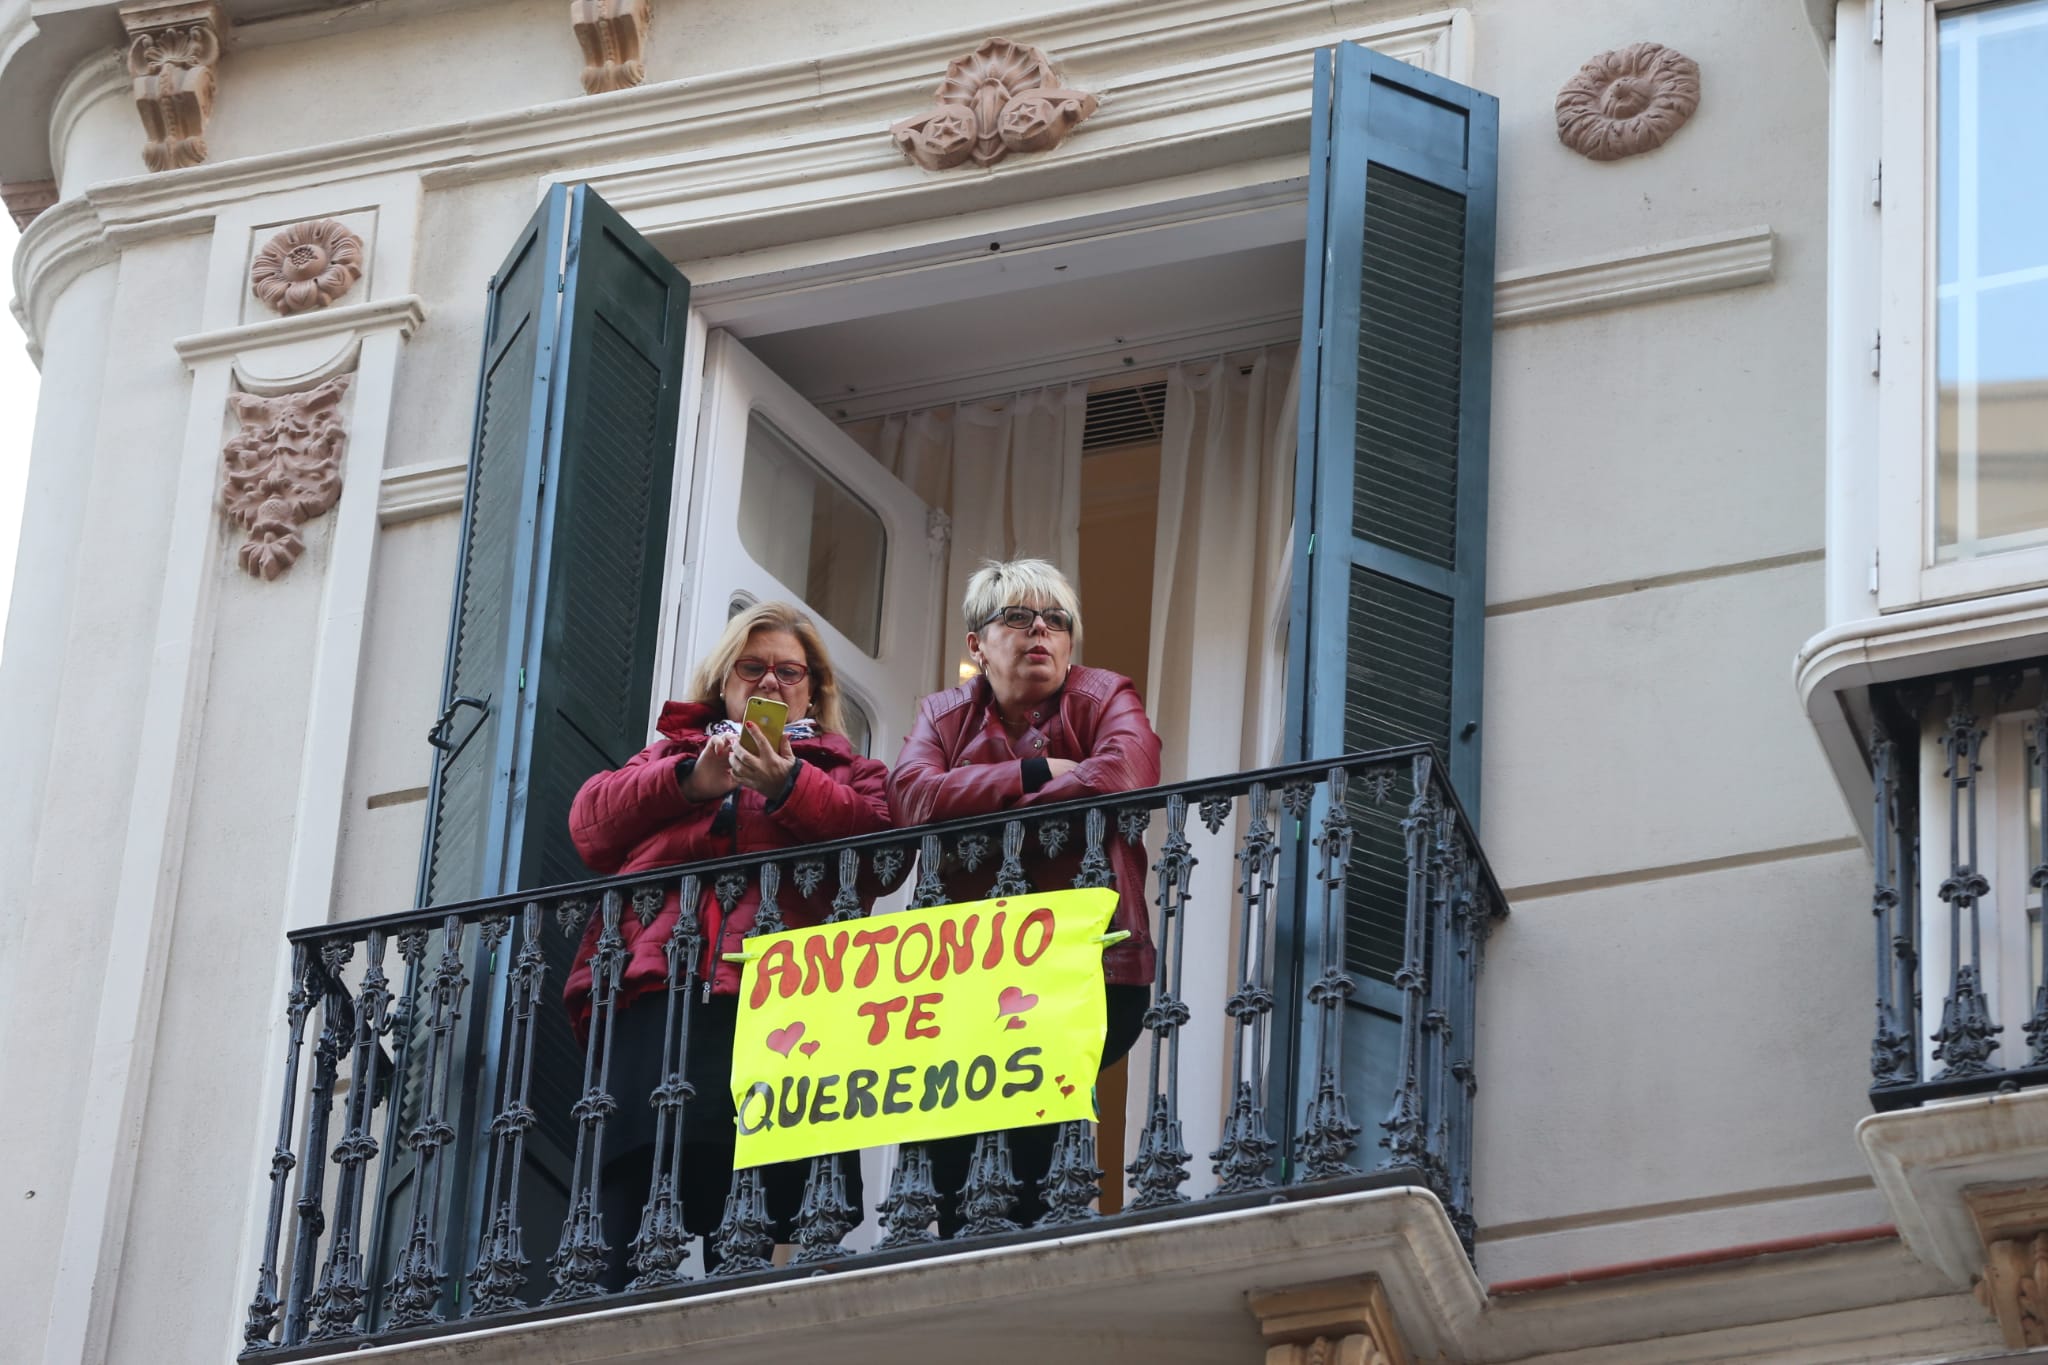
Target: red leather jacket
636,817
960,761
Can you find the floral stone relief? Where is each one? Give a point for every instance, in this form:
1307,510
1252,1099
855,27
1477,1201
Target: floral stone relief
1001,98
308,265
283,470
1627,101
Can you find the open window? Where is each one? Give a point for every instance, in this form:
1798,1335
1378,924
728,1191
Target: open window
1279,562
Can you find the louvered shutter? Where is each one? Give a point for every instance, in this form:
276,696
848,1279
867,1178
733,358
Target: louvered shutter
565,527
470,797
1390,478
558,595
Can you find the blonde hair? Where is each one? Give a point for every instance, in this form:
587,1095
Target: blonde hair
707,684
1000,583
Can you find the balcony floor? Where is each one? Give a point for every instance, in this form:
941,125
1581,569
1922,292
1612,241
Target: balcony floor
1168,1290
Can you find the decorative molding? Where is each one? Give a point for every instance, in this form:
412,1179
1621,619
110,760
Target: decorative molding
1697,265
1958,1172
283,470
412,492
1003,97
1340,1322
306,266
1627,101
613,36
1182,96
26,199
2015,1288
173,47
402,314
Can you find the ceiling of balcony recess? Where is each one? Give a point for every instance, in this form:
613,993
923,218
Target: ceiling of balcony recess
1048,309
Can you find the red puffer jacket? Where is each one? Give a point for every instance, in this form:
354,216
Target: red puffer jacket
959,761
636,817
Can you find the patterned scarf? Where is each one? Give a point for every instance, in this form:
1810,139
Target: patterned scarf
795,729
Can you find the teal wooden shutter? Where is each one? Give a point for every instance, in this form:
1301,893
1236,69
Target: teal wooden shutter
555,623
469,799
1388,616
565,531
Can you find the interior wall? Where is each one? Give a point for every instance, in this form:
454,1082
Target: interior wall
1119,521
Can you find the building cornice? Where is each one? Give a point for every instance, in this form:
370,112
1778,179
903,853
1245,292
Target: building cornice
686,157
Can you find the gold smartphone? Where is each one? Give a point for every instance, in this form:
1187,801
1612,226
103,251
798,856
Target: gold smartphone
770,715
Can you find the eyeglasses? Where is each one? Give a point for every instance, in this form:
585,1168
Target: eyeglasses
1020,618
753,670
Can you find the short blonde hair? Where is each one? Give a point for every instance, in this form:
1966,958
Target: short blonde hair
707,684
1000,583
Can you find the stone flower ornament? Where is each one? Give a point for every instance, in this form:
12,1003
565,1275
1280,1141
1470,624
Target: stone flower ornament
283,470
1627,101
1002,97
308,265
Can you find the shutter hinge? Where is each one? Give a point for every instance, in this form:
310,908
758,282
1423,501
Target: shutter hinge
1877,21
522,677
1873,569
1877,186
1311,544
561,280
1876,351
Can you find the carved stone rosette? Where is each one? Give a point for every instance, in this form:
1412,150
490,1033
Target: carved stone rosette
1003,97
612,34
283,469
173,47
1627,101
308,265
25,199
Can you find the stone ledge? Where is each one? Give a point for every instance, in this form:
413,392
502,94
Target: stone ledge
1171,1290
1927,1161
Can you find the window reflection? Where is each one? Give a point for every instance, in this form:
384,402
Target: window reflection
1991,344
815,537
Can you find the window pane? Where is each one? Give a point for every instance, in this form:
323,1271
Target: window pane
1991,350
822,543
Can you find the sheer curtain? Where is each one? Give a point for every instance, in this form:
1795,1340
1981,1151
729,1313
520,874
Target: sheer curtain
1220,571
1008,473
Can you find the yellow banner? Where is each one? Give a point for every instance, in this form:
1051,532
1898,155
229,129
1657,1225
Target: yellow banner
925,1024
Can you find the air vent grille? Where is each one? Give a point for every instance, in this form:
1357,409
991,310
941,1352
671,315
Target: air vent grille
1123,417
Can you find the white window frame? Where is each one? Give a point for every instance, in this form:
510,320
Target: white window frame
1907,572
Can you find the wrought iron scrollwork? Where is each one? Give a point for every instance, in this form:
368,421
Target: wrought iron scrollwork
496,1282
1160,1167
1967,1036
1323,1148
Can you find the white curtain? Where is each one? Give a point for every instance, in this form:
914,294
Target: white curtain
1008,473
1221,562
1220,570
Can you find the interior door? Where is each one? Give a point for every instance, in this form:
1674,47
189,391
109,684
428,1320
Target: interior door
788,506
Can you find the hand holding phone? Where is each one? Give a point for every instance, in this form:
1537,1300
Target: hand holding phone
770,715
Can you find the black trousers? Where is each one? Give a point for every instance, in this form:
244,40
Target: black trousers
1031,1148
708,1134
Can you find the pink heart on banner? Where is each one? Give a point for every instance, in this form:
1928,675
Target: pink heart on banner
1012,1022
809,1049
1013,1001
783,1039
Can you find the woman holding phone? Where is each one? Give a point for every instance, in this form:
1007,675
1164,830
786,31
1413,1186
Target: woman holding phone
718,782
1033,728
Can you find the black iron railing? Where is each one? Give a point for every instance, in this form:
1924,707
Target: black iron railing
403,1197
1954,969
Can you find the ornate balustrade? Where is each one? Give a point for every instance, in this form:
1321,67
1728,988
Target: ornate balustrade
408,1194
